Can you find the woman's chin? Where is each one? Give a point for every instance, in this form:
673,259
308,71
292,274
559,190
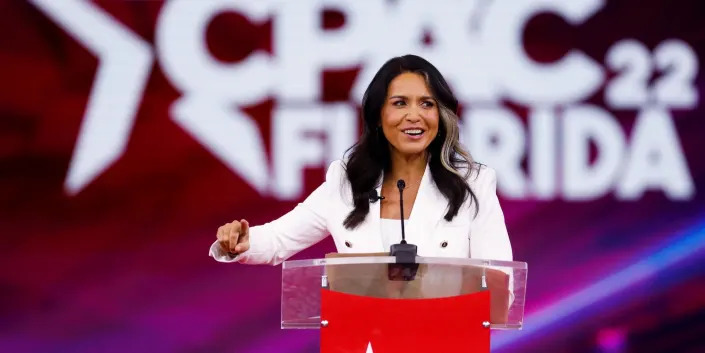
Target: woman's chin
411,149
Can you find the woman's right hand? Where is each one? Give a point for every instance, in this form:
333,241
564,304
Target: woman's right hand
234,237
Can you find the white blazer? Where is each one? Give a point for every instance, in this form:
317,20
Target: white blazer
323,212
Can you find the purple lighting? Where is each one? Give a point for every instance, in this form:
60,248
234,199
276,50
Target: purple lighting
611,340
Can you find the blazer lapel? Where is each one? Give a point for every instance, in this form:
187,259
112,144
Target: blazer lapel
370,228
429,208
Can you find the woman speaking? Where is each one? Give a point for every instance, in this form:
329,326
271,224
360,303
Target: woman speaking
410,133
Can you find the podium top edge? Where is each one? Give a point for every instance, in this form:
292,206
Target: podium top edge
352,260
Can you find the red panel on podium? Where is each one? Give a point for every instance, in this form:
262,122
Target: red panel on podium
359,324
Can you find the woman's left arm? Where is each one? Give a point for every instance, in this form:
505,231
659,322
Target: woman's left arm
488,232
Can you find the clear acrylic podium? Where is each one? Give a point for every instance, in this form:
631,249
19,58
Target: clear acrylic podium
444,294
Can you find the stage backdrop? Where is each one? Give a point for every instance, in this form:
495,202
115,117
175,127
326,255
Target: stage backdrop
131,130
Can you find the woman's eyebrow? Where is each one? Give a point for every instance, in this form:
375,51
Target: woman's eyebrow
397,96
405,97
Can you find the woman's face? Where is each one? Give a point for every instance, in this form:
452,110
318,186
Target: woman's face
409,115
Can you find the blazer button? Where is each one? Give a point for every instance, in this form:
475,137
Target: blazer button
348,244
444,244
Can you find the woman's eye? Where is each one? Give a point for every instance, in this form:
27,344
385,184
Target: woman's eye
427,104
398,103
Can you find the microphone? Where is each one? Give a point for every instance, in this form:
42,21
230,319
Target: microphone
374,197
405,267
401,185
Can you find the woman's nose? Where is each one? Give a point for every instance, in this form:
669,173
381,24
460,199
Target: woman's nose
415,114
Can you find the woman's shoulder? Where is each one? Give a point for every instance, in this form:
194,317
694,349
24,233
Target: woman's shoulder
336,174
337,180
335,170
474,171
479,175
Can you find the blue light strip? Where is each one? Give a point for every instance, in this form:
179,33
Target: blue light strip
686,244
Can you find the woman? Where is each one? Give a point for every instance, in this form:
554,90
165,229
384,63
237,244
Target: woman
410,133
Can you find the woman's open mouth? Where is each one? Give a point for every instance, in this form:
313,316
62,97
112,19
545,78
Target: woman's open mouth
413,133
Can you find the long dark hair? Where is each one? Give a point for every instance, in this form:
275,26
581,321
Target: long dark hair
369,157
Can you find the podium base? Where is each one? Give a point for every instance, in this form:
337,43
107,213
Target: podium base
365,324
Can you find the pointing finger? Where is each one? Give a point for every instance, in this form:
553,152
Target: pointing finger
233,236
244,241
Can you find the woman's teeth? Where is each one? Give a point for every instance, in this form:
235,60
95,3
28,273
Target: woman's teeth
413,132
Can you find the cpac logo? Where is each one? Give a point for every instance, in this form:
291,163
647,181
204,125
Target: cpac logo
486,65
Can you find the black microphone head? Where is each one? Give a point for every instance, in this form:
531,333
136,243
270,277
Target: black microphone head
401,184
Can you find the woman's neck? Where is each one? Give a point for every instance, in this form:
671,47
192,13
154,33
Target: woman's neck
408,167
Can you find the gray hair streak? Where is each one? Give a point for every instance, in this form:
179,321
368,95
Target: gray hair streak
451,142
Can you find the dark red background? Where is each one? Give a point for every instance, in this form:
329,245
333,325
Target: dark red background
122,265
